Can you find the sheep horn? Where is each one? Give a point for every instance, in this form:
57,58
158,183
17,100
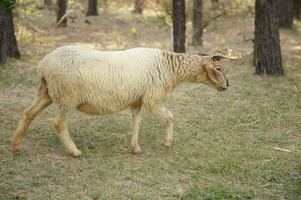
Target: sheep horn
219,57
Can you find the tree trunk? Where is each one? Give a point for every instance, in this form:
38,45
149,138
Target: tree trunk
47,2
12,47
197,23
3,44
139,5
286,13
92,8
8,42
61,11
267,52
214,4
297,8
178,25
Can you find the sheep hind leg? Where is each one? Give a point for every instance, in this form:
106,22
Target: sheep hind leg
165,113
136,115
41,101
63,134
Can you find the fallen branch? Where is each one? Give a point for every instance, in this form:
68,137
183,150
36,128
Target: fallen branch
25,21
281,149
61,20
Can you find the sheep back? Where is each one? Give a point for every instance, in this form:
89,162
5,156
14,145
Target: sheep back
107,80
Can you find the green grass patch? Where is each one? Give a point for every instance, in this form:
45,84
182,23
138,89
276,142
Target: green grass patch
215,193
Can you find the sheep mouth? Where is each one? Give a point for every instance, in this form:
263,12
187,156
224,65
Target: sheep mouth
222,88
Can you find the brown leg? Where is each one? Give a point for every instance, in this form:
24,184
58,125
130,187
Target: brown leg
63,134
39,104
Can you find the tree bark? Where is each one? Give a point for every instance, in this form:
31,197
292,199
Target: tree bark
297,8
47,2
139,6
92,8
61,11
214,4
286,13
179,25
197,23
3,44
267,52
8,42
12,50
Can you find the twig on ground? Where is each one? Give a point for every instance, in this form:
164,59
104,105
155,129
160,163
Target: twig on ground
30,24
281,149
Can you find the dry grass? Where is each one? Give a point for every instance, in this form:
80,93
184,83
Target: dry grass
225,142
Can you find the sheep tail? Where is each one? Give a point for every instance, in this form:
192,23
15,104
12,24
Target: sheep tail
43,90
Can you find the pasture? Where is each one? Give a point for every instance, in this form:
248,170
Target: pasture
244,143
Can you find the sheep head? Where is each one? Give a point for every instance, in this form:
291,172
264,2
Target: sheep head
212,73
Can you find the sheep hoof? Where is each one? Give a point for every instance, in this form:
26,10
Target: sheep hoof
168,143
76,153
135,149
15,147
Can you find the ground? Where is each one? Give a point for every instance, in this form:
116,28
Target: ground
244,143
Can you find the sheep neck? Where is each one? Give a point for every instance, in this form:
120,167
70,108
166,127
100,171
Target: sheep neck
183,67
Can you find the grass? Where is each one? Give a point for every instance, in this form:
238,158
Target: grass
215,193
224,142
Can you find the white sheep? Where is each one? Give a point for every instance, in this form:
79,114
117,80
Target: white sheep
100,82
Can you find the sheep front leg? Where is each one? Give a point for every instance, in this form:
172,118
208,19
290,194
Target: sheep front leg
136,114
165,113
62,132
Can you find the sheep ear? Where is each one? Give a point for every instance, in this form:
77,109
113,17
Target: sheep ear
219,57
213,74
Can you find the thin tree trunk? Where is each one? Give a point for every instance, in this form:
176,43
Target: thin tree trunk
197,23
12,47
92,8
286,13
179,25
61,11
47,2
267,52
3,44
139,6
214,4
297,8
8,42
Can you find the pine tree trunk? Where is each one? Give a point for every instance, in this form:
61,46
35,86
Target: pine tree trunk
179,25
12,47
3,44
139,5
267,52
214,4
61,11
92,8
197,23
286,13
47,2
297,8
8,42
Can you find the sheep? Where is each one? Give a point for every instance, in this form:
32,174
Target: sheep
103,82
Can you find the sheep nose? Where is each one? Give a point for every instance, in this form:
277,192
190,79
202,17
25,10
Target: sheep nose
227,83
